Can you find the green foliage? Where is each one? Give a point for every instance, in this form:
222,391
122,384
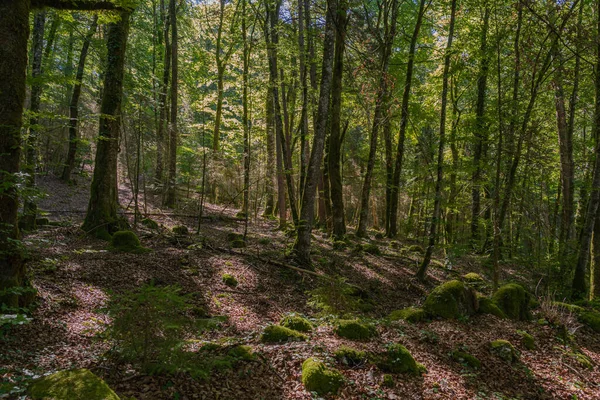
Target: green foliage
409,314
415,248
296,322
591,319
372,249
317,378
229,280
350,356
452,299
278,334
127,242
238,244
242,352
397,359
465,358
505,350
339,245
527,340
354,330
514,301
72,384
334,297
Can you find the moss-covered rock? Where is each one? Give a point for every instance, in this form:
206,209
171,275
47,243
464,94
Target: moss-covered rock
372,249
415,248
505,350
452,299
353,329
591,319
42,221
242,352
514,301
465,358
296,322
568,307
388,381
581,359
238,244
409,314
350,356
278,333
339,245
231,236
397,359
487,306
72,384
181,230
474,280
127,242
150,223
527,340
229,280
317,378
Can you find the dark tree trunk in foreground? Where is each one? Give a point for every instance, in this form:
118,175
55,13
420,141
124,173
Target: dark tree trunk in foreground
171,193
305,224
101,217
162,98
435,219
74,104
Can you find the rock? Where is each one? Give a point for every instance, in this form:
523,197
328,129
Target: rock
487,306
527,340
452,299
127,242
409,314
591,319
350,356
465,358
277,334
372,249
317,378
353,329
72,384
181,230
398,359
150,223
514,301
505,350
388,381
229,280
296,322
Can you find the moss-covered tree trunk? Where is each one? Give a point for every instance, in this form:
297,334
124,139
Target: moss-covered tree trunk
101,217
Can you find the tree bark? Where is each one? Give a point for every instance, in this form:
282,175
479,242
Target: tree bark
162,98
170,195
270,180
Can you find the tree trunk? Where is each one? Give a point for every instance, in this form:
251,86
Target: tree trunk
101,218
74,105
162,99
595,275
435,219
270,181
170,196
245,124
302,246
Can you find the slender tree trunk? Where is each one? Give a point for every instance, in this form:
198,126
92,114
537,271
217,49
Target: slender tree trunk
74,105
270,180
595,275
171,193
162,99
245,123
303,239
101,217
404,115
435,220
304,85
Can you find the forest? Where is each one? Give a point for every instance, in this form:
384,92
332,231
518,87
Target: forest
299,199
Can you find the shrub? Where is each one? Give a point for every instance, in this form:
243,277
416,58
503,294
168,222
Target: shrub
350,356
317,378
127,242
452,299
514,301
296,322
409,314
277,334
398,359
353,329
229,280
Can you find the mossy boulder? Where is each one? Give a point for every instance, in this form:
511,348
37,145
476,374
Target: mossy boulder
354,330
591,319
72,384
242,352
278,334
232,236
181,230
581,359
339,245
514,301
568,307
465,358
527,340
388,381
296,322
372,249
474,280
317,378
415,248
397,359
150,223
350,356
505,350
452,299
229,280
487,306
409,314
127,242
238,244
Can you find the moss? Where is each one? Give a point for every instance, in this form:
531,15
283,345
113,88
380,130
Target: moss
513,300
473,277
591,319
581,359
350,356
505,350
409,314
353,329
415,248
452,299
568,307
296,322
231,236
127,242
527,340
316,377
42,221
277,333
150,223
238,244
487,306
242,352
388,381
73,384
465,358
241,215
339,245
372,249
181,230
229,280
398,359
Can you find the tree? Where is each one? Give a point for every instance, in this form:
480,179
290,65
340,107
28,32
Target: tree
170,195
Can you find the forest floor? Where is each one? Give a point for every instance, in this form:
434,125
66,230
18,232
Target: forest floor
75,276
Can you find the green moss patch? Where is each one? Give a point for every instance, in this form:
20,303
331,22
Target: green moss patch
452,299
397,359
415,248
278,334
354,330
487,306
242,352
229,280
581,359
388,381
527,340
127,242
317,378
409,314
350,356
238,244
150,223
591,319
514,301
296,322
372,249
465,358
73,384
181,230
232,236
505,350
